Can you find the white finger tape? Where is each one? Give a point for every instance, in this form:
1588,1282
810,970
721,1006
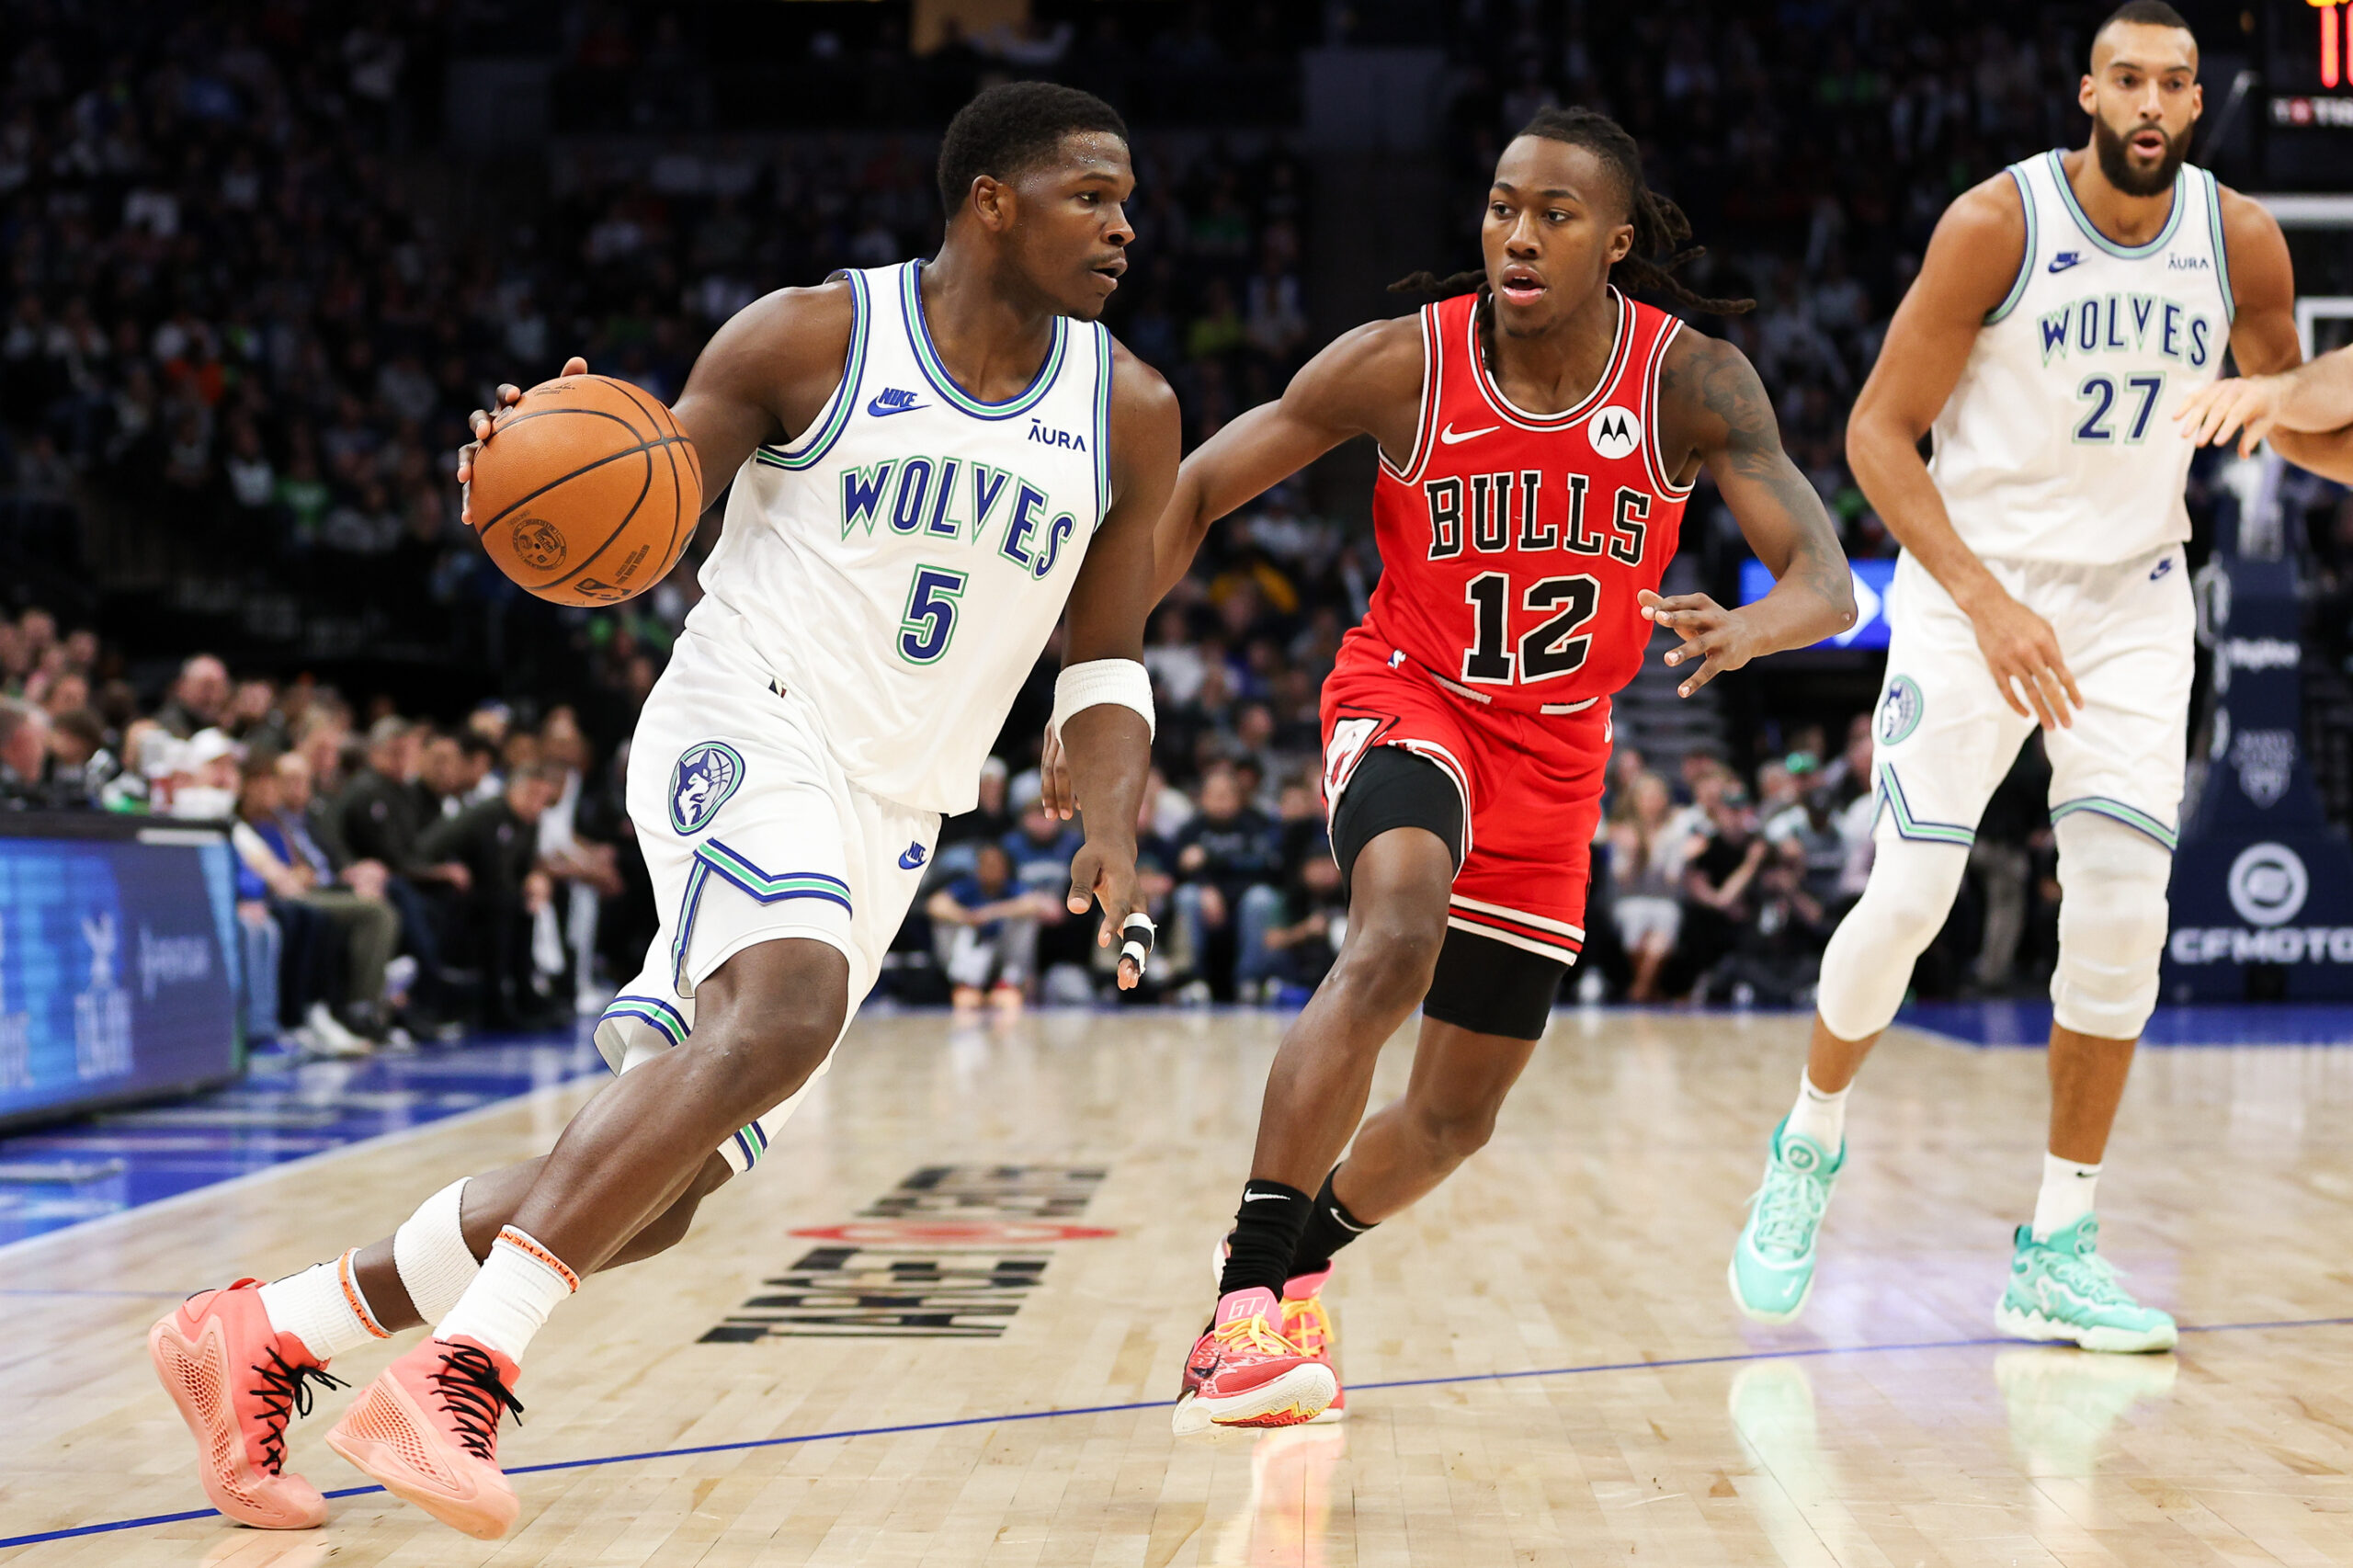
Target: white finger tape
1136,934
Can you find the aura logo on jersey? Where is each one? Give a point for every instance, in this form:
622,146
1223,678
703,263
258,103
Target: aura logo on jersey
1614,432
707,774
2126,324
957,499
1899,709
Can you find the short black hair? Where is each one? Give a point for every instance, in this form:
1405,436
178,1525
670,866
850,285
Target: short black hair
2145,14
1012,127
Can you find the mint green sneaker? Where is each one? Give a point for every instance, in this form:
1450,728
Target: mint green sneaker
2063,1290
1772,1264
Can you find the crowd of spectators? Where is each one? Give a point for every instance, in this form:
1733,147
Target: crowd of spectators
396,879
399,878
230,316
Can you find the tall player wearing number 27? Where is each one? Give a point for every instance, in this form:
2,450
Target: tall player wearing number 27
1539,432
2065,309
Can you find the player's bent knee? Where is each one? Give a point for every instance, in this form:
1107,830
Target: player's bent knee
1868,965
1391,955
749,1063
2112,916
766,1020
1454,1130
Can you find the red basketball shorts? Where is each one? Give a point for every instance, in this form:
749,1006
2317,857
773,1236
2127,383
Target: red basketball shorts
1532,791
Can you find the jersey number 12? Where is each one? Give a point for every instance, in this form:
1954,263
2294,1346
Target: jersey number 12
1552,648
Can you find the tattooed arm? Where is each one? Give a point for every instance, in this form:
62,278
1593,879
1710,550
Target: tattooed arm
1713,411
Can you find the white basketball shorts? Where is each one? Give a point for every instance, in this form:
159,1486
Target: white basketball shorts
752,833
1946,739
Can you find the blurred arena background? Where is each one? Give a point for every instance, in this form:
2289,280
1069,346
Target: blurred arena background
263,258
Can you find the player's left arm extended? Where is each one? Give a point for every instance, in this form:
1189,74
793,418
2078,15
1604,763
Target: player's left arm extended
1107,745
1712,398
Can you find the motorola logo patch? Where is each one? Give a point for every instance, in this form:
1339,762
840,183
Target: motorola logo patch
1614,432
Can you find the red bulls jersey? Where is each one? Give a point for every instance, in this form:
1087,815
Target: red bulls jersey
1512,544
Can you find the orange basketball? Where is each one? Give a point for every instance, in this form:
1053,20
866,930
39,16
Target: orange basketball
587,492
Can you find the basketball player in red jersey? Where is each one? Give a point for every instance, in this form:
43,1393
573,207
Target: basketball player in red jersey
1538,439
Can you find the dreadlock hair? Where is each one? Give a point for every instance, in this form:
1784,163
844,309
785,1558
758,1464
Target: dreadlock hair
1660,227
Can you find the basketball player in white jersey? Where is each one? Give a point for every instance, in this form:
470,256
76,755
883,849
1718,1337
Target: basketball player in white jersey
2064,309
929,462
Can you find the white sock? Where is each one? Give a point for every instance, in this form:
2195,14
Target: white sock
430,1250
1819,1116
322,1307
519,1285
2066,1196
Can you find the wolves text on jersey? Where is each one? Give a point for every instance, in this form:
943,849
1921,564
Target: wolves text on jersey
2127,324
1499,501
951,498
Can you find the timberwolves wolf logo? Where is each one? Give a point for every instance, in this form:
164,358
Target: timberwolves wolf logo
1899,711
1614,432
706,775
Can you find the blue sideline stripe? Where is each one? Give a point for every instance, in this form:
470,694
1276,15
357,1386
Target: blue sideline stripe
1809,1353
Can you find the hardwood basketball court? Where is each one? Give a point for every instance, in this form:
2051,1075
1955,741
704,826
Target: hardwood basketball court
970,1360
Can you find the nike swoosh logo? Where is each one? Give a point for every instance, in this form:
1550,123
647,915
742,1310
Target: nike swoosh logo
2063,262
1450,435
877,408
1261,1197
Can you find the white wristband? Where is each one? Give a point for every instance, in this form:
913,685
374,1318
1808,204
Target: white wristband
1121,681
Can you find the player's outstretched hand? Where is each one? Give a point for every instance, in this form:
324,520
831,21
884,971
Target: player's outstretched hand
2022,652
1105,875
2248,404
482,421
1055,791
1720,637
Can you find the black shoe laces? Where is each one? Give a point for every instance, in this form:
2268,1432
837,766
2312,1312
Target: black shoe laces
285,1392
473,1393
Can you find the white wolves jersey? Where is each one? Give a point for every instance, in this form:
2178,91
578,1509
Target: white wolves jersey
2058,442
900,563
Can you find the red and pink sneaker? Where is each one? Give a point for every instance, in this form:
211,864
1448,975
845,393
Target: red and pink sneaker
1306,1322
1243,1373
237,1382
427,1431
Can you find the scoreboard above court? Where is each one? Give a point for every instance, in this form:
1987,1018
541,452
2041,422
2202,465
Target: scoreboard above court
2311,59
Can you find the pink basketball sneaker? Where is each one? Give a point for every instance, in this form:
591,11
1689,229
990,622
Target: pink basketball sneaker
427,1431
237,1382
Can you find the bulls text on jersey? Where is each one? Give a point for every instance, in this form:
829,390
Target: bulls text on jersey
1520,512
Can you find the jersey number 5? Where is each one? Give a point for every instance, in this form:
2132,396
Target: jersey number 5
1552,648
930,620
